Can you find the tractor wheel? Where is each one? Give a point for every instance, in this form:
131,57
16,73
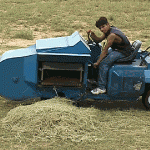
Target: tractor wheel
146,99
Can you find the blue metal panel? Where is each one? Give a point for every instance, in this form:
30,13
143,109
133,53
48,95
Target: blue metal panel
52,43
73,44
12,81
147,76
19,53
126,81
59,42
31,69
79,48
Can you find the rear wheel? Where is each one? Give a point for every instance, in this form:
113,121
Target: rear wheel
146,99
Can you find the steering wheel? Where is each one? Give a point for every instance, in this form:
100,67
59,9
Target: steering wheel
90,41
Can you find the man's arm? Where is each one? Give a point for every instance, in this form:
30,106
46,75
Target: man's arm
95,38
110,40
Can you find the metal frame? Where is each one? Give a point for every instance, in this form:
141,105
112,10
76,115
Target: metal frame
61,66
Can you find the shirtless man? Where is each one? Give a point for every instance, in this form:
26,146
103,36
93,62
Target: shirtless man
120,45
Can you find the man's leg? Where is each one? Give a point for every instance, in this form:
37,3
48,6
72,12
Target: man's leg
104,66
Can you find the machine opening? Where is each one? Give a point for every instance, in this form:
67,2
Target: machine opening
61,74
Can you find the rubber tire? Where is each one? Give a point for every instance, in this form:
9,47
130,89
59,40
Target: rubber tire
146,99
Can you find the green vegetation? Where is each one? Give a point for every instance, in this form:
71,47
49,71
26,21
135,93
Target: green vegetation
24,35
132,16
56,123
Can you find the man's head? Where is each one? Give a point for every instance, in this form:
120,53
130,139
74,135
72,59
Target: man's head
103,24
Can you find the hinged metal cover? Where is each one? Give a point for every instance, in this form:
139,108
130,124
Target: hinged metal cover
73,44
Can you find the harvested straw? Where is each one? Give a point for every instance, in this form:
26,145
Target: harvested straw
54,118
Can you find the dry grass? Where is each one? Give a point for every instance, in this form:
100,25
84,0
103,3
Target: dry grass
60,18
57,124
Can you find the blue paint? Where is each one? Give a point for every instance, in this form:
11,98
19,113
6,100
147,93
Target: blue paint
123,80
73,44
19,53
12,81
147,76
20,71
30,71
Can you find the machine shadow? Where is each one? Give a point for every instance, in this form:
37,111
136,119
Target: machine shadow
108,105
98,104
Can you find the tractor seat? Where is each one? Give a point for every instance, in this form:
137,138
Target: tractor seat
136,46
